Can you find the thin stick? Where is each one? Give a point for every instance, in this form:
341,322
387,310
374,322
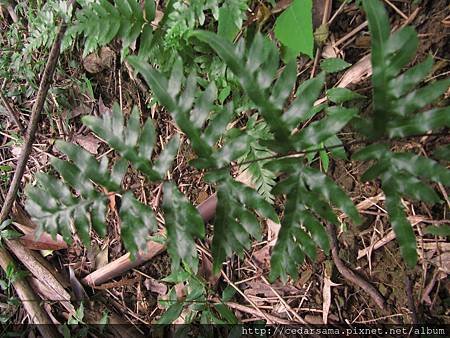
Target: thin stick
286,305
264,315
411,303
349,274
252,311
11,112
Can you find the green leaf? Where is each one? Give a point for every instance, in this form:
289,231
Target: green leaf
160,87
319,131
101,22
147,139
422,167
226,313
442,230
442,153
172,313
183,224
227,28
150,10
261,52
309,193
165,159
404,83
333,65
341,95
293,28
419,98
307,94
137,221
420,123
283,86
131,142
402,228
234,222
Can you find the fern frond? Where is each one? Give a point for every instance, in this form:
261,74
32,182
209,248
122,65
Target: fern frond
262,178
101,22
132,143
200,118
235,223
398,112
54,207
310,196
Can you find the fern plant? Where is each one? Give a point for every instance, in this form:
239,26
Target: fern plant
191,108
312,198
400,110
75,199
311,193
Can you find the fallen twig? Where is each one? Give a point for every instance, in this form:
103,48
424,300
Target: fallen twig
411,303
348,274
207,210
15,117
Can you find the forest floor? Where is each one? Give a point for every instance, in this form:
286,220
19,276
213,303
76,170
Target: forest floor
421,294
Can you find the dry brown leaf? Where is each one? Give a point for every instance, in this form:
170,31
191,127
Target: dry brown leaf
101,259
273,229
153,285
205,270
356,73
80,110
97,62
442,261
20,216
257,287
88,142
49,294
102,109
16,150
202,196
40,271
262,257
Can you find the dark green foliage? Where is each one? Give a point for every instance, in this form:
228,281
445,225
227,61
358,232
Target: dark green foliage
310,195
183,221
183,224
132,143
191,112
398,111
101,22
83,173
52,204
235,224
196,114
397,99
255,68
202,92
